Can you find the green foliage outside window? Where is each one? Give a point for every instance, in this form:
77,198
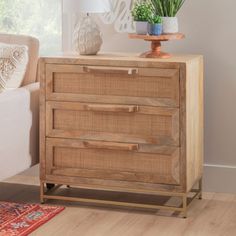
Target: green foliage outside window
39,18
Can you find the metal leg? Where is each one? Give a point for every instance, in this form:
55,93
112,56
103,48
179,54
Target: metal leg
48,191
200,189
185,206
42,193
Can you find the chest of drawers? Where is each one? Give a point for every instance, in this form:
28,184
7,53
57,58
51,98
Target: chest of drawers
122,123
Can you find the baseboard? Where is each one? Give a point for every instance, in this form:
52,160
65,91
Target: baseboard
219,178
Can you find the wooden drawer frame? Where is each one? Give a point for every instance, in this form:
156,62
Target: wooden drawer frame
168,158
174,139
128,71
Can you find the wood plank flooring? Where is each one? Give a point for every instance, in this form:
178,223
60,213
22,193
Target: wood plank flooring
215,215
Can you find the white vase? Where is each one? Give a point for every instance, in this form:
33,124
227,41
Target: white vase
141,27
87,37
170,25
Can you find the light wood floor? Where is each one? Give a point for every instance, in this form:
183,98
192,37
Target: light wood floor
214,215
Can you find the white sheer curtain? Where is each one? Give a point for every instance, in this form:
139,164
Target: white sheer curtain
39,18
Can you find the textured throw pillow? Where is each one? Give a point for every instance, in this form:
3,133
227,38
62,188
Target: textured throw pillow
13,64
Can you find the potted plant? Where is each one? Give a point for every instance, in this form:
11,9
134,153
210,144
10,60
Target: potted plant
168,10
155,25
141,13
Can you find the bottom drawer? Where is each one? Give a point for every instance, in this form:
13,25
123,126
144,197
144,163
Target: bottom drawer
114,161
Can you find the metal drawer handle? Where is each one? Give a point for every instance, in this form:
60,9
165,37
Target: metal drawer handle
111,108
110,70
111,145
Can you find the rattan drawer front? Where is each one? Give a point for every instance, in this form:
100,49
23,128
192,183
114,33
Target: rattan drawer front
75,158
143,86
118,123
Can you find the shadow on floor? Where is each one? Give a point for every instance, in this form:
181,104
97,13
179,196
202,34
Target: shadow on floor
21,193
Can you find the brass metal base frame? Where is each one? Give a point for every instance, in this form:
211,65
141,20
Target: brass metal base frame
47,192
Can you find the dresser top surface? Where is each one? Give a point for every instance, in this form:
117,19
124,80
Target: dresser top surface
176,58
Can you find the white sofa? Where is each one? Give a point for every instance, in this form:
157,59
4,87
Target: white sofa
19,112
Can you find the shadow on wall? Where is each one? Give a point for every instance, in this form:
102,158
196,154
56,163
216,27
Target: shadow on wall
34,130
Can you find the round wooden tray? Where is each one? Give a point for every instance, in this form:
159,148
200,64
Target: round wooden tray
156,43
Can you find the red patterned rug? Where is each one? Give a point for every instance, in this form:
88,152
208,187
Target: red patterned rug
22,219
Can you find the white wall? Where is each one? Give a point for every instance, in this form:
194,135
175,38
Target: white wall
210,28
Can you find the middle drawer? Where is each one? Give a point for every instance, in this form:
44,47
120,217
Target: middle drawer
108,122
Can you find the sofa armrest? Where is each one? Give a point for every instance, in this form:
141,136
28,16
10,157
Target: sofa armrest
26,91
34,87
19,118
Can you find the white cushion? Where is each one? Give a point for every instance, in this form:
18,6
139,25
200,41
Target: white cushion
13,65
19,128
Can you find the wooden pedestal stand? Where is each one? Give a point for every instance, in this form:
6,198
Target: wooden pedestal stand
156,44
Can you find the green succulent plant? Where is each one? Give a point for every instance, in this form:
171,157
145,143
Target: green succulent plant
167,8
142,10
155,19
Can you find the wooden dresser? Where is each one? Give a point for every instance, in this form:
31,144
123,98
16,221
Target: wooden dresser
122,123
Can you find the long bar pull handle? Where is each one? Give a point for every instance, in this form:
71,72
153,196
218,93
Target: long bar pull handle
111,145
111,108
110,70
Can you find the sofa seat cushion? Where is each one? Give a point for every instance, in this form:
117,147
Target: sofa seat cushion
13,65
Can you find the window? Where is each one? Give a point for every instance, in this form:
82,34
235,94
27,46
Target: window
39,18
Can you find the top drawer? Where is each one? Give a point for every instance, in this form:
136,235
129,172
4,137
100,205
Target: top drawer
117,85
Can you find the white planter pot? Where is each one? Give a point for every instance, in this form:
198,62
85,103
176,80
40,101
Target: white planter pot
141,27
170,25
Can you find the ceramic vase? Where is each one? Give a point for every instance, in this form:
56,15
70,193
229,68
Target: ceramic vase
141,27
87,37
154,29
170,25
